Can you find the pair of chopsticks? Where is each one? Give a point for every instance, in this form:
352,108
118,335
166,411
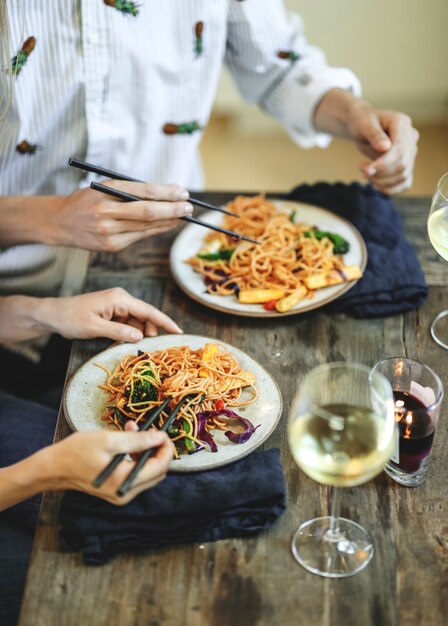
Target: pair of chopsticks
127,197
127,483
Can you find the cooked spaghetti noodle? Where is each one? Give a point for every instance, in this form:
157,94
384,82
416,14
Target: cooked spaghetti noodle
287,253
210,375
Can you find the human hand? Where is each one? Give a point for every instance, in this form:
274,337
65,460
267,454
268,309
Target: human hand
77,460
111,313
389,140
94,221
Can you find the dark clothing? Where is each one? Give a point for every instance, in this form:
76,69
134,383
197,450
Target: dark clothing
41,382
25,427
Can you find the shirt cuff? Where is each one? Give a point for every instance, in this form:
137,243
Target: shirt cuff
295,99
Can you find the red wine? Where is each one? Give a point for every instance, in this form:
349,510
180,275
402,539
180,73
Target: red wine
416,431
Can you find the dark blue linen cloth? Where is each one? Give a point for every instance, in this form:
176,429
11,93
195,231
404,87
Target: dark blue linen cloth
238,500
393,281
25,427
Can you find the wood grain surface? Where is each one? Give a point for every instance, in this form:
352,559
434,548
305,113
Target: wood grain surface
257,582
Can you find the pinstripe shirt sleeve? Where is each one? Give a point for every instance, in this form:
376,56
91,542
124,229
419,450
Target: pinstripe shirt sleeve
274,66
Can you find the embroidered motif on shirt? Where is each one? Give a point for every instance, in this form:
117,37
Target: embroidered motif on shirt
21,57
289,55
24,147
186,128
124,6
198,41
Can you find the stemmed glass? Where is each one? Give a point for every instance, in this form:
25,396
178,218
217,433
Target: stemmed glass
341,433
438,235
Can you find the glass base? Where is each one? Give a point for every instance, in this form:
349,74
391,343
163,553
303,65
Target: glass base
439,329
334,555
408,479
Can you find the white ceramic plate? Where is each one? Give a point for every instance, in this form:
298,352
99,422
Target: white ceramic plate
190,240
84,403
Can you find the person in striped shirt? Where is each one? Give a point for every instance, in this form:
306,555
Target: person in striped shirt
130,86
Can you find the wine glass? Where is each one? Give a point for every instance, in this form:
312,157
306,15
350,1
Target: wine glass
438,235
341,433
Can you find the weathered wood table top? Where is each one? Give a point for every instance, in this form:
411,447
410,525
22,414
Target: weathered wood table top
257,581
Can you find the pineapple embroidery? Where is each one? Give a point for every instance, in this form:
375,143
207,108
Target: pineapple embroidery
198,41
18,62
24,147
186,128
124,6
289,55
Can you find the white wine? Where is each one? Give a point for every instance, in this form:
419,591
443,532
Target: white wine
438,231
348,446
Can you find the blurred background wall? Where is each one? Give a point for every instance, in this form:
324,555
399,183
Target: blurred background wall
398,49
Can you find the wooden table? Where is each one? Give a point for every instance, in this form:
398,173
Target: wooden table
257,581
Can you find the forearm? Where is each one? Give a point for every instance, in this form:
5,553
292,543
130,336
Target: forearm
24,317
29,219
25,479
333,112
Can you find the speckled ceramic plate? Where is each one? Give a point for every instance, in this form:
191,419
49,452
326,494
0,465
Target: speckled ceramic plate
84,402
190,240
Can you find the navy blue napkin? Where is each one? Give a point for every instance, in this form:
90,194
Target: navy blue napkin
393,281
238,500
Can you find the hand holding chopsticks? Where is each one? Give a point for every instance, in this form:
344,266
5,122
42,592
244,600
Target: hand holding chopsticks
151,418
88,167
107,471
127,197
126,485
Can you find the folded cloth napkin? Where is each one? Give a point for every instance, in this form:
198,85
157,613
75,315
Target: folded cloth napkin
238,500
393,281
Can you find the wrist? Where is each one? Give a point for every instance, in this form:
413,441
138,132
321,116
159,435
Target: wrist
50,463
335,111
25,317
24,479
19,222
52,232
44,316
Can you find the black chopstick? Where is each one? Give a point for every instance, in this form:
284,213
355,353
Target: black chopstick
128,197
124,488
89,167
107,471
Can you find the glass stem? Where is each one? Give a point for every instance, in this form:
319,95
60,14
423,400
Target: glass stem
333,531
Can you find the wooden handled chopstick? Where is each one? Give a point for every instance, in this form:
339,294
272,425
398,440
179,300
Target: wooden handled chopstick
126,485
102,171
128,197
107,471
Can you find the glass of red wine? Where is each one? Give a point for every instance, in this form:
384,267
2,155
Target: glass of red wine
418,395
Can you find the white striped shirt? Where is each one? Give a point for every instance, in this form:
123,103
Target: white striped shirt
133,92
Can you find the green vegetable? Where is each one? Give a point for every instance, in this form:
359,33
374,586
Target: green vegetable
221,255
292,216
173,431
121,417
340,245
189,445
144,390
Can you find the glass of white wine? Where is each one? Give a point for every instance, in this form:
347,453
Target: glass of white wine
438,235
341,433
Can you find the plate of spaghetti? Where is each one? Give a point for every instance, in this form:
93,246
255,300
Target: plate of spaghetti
233,403
306,258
